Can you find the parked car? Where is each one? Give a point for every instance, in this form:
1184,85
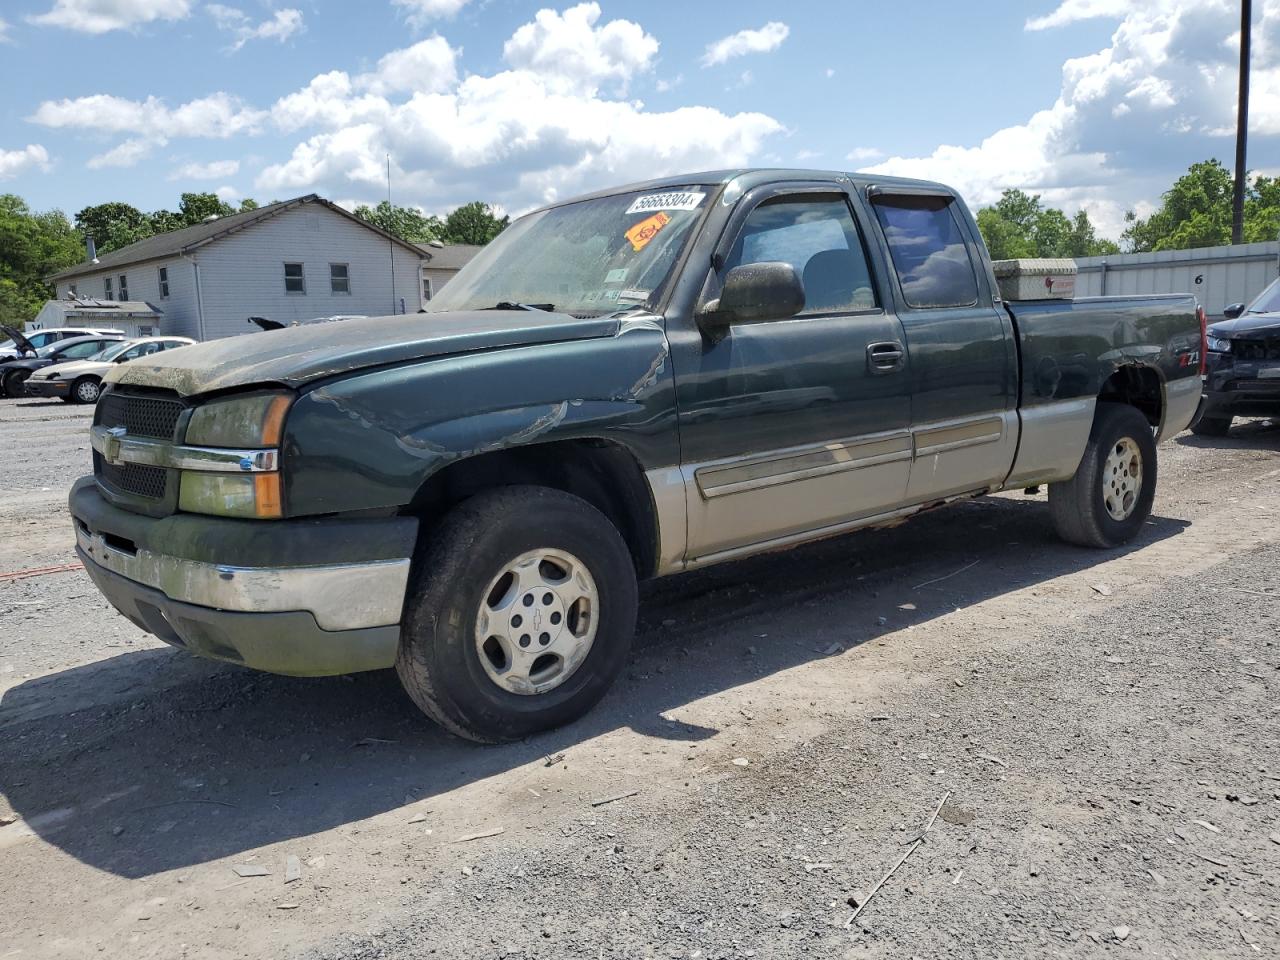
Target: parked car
14,374
20,345
79,381
642,381
1242,378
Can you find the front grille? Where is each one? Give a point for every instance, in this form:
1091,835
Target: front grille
140,415
133,479
1256,349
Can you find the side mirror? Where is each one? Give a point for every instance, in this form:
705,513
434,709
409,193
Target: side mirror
1233,311
754,293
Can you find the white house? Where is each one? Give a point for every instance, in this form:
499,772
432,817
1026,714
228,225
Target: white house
294,260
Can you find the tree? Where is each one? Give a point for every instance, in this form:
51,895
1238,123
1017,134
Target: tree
1019,226
32,246
1196,212
248,203
473,223
113,225
406,223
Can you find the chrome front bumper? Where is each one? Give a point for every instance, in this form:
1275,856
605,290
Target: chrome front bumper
340,596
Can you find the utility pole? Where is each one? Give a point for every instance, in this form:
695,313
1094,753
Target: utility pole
391,244
1242,123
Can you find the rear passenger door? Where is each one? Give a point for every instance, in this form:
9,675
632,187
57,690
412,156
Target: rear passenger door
963,356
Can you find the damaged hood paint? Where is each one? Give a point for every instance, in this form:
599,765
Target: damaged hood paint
1249,326
299,355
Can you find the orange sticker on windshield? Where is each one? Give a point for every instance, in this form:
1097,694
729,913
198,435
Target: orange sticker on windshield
646,230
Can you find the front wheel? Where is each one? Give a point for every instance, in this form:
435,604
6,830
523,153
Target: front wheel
1109,499
519,615
86,390
15,383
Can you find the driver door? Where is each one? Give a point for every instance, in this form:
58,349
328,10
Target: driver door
792,426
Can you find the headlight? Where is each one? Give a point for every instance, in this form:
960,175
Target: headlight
1219,344
248,424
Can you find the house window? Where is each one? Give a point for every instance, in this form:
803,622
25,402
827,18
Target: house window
106,288
426,288
339,279
293,279
71,292
124,287
164,283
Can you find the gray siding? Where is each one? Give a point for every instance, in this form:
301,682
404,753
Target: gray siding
179,308
438,277
242,275
1229,274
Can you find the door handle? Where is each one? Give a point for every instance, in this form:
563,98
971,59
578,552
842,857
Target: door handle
885,357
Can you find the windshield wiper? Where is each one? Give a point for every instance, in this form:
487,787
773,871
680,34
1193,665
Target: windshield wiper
512,305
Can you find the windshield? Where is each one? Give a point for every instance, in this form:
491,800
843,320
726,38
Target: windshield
587,258
113,351
1268,301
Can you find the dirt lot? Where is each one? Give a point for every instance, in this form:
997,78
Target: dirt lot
1105,728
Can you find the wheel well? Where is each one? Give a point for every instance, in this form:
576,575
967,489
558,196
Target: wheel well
1138,387
604,474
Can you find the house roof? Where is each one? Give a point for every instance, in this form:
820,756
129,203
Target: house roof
177,242
453,256
89,308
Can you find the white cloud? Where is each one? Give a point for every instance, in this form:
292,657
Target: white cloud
864,154
214,170
1072,11
420,12
126,154
1129,119
280,26
14,162
570,45
4,31
219,115
228,194
430,66
769,37
101,16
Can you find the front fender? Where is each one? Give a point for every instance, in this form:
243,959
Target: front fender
371,440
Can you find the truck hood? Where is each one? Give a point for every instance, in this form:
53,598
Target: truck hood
1249,326
295,356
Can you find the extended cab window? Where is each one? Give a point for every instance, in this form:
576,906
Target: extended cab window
928,250
818,237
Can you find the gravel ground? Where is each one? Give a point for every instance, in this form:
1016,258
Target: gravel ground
1103,724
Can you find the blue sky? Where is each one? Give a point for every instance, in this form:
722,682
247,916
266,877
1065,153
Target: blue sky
1093,103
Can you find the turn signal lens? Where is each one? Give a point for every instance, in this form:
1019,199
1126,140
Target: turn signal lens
249,495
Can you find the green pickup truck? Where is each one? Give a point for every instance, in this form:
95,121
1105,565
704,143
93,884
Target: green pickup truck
630,384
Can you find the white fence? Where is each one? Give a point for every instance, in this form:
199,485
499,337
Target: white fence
1217,276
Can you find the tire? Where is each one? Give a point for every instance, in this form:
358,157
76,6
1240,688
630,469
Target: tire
467,567
1211,426
1081,510
15,383
85,390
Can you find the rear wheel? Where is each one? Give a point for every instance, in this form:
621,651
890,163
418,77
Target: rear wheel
519,616
1109,499
1211,426
86,390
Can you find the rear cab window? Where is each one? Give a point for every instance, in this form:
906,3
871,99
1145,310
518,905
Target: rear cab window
817,235
928,249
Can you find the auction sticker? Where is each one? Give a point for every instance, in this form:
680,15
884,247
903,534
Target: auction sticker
646,230
652,202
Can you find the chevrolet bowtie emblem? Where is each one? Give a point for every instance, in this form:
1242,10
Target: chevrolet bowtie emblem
111,444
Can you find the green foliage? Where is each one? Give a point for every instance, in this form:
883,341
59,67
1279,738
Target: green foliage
404,222
473,223
32,246
1020,226
113,225
1196,212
